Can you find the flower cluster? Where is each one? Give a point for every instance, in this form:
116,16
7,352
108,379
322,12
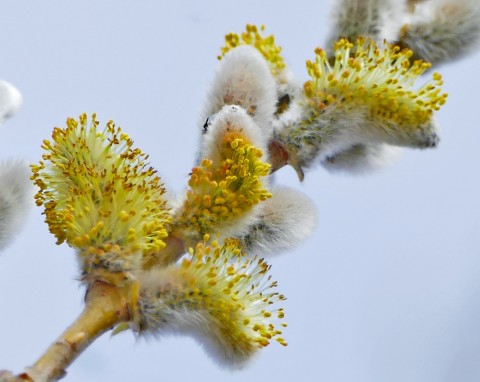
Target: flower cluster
361,99
101,197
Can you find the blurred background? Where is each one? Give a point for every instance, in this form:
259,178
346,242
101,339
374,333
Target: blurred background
388,287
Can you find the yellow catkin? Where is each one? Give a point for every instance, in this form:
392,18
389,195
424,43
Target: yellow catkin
378,78
219,194
232,291
99,193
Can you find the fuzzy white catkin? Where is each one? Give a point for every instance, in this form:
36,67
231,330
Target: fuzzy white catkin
377,19
194,301
285,220
361,159
356,126
243,78
231,118
16,193
442,30
10,100
338,129
173,319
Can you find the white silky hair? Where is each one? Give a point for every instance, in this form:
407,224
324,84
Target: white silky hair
340,128
199,325
442,30
287,83
285,221
231,118
361,159
10,100
377,19
16,198
161,319
392,18
243,78
356,125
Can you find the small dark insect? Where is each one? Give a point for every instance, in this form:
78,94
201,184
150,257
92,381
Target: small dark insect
205,125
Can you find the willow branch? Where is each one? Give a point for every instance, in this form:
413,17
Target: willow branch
106,305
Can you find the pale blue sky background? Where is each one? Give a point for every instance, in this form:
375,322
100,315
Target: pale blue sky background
388,289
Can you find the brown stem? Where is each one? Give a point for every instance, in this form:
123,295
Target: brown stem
106,305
